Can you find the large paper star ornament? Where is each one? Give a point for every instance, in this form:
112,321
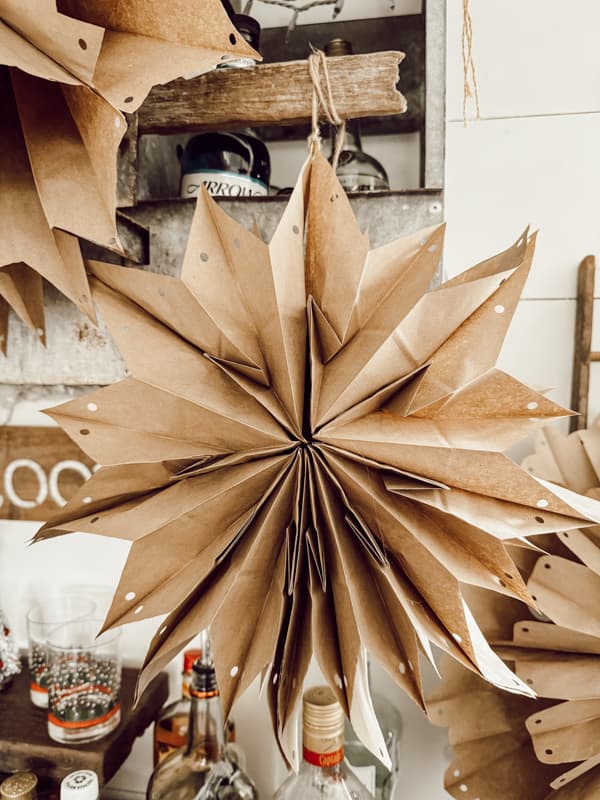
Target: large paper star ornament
307,456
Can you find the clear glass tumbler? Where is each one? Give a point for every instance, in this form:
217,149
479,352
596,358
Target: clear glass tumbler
43,620
84,682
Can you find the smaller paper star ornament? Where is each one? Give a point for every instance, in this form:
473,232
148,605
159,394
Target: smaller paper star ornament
521,748
308,455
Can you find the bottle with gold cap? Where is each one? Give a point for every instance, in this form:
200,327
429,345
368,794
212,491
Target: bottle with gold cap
20,786
323,773
356,170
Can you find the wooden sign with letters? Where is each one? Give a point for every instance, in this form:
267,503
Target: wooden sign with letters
40,469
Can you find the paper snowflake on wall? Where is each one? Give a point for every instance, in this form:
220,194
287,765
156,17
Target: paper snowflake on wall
308,453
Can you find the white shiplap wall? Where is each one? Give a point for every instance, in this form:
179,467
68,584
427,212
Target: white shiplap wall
532,159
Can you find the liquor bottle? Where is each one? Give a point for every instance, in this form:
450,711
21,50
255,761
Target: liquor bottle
183,773
249,29
324,773
80,785
20,786
228,163
356,170
171,726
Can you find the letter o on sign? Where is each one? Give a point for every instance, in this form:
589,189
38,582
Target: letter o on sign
9,487
54,477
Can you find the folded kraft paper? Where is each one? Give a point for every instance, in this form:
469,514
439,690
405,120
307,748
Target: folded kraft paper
308,453
70,72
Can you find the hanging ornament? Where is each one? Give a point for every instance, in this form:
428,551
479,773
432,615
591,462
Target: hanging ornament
10,664
516,747
69,74
307,456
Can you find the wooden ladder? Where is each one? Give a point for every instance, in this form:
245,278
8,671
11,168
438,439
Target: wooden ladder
583,355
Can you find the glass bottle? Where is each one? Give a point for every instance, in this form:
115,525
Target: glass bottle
249,29
356,170
183,773
324,773
228,163
369,769
20,786
172,723
171,726
80,785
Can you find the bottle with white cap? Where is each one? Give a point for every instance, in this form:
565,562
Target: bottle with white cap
80,785
324,773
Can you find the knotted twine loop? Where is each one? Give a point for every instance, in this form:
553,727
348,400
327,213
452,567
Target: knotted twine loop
323,100
470,88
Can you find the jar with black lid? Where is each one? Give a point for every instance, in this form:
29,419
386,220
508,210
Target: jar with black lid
228,163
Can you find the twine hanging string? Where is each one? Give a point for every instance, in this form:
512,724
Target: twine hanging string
322,101
470,88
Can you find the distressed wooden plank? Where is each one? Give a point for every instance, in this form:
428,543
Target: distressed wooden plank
40,469
363,86
582,355
405,32
78,353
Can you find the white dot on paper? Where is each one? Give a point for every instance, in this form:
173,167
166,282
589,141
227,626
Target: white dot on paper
532,406
499,309
92,407
542,503
130,596
234,671
87,499
138,609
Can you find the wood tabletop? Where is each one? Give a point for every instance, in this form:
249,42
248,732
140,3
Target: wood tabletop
25,744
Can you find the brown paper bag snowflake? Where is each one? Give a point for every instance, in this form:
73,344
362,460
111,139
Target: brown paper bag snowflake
70,72
307,456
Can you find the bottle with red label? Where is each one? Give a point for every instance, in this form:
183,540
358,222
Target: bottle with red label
324,773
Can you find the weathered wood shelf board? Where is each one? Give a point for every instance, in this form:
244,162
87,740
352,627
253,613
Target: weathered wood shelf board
405,32
25,744
365,86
